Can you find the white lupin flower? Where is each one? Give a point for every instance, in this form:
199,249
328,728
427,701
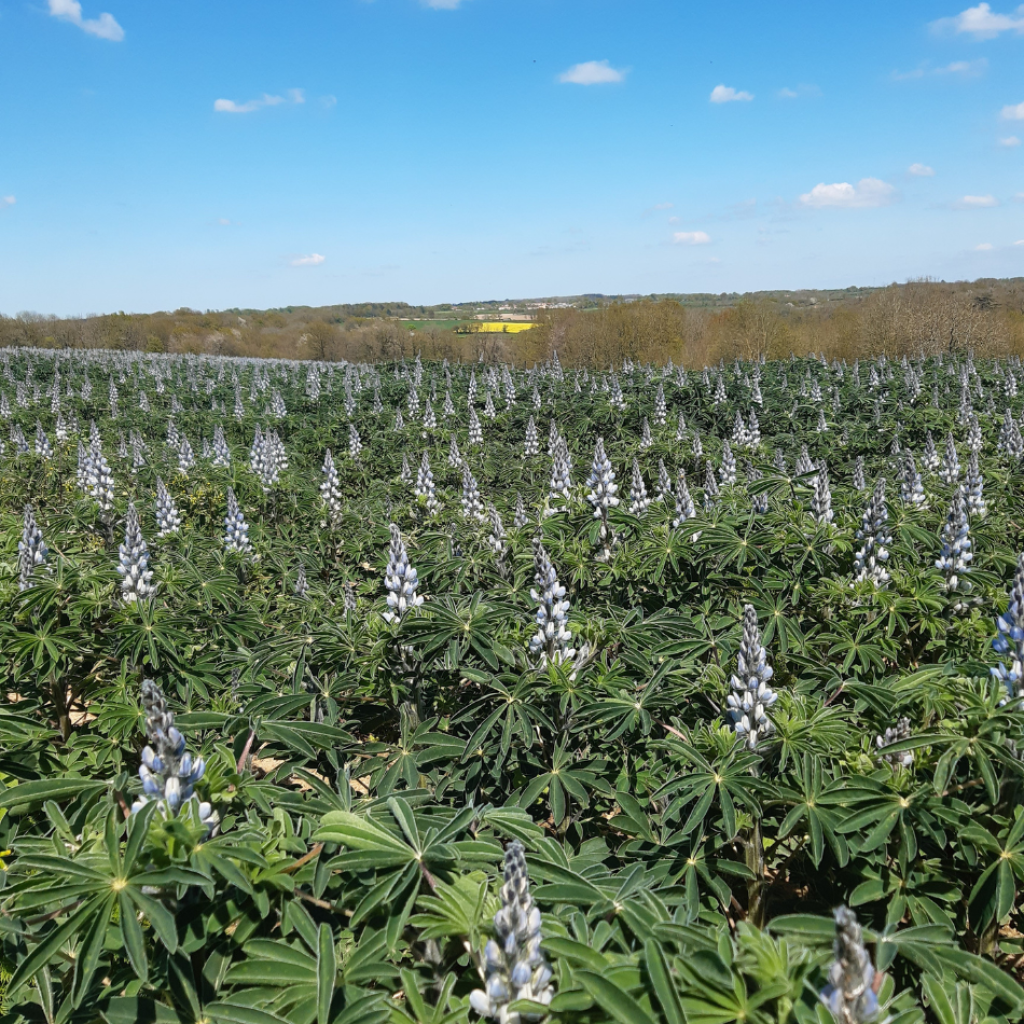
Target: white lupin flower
869,562
603,495
751,695
32,550
133,564
168,519
551,641
168,772
236,529
513,964
400,580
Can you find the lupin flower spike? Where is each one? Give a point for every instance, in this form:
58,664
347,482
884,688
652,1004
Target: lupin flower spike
751,695
134,562
869,562
1010,637
685,508
400,580
561,472
821,503
850,992
472,503
727,471
425,488
551,641
639,501
236,529
973,487
168,519
602,494
950,469
168,772
31,550
514,966
520,518
330,487
956,556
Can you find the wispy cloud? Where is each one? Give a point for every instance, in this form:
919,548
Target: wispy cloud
266,100
691,238
6,201
921,171
786,93
314,259
982,22
984,247
657,208
1013,112
223,222
592,72
442,5
960,68
727,94
975,202
328,101
1009,142
867,192
103,27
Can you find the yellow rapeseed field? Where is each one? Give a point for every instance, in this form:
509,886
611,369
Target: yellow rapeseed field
493,327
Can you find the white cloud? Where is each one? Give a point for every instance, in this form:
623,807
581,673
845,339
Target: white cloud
663,206
691,238
963,68
223,221
1021,242
103,27
328,101
982,22
1009,142
788,94
314,259
867,192
592,72
984,247
976,202
727,94
921,171
442,5
1013,112
7,201
266,100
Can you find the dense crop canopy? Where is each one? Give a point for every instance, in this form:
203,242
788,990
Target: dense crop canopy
427,693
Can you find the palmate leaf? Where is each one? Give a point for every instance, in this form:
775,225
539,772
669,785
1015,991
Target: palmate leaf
455,909
720,784
364,835
811,811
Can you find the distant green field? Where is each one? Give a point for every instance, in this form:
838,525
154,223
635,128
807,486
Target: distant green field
433,325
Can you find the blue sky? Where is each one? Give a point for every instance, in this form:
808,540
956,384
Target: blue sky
213,154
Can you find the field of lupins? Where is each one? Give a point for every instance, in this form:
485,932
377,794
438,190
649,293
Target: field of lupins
433,693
